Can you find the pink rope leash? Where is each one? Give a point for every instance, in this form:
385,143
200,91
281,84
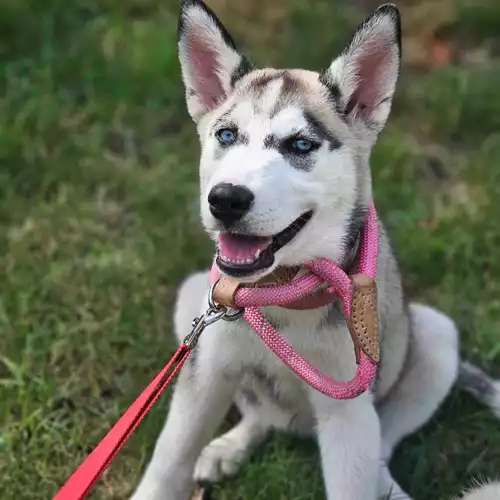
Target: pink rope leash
340,286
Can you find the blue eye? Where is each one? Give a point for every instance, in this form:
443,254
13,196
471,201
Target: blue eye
302,145
226,136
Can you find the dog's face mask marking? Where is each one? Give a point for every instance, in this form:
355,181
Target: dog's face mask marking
284,164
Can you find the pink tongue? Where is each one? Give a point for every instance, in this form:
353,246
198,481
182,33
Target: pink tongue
237,247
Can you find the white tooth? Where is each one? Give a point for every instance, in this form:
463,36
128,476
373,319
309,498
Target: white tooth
227,260
257,253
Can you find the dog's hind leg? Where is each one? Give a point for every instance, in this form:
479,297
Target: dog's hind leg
428,376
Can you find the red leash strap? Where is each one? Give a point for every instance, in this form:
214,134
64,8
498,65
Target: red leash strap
80,484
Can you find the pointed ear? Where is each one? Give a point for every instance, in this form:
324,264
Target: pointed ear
364,77
210,62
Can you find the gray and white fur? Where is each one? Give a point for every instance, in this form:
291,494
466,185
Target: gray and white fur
341,110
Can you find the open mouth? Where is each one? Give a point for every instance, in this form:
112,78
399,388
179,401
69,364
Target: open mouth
241,255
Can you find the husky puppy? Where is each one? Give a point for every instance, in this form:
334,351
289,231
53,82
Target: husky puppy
285,179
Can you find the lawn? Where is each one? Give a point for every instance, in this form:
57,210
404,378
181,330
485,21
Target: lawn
99,223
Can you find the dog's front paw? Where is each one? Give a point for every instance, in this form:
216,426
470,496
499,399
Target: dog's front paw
221,458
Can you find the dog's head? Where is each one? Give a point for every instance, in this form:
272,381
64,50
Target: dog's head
284,164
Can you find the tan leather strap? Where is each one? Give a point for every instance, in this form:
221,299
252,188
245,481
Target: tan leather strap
225,291
363,323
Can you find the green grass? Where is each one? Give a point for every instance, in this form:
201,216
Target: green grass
99,223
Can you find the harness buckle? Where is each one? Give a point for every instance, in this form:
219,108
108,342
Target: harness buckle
214,313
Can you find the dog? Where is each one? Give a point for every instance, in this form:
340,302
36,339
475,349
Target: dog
285,179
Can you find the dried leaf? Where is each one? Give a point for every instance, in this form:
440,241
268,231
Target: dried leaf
441,52
201,494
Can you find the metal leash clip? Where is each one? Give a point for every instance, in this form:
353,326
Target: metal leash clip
214,313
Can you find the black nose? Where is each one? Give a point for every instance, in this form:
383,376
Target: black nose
229,203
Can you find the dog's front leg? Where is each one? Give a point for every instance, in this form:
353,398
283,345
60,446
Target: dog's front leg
201,399
349,440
